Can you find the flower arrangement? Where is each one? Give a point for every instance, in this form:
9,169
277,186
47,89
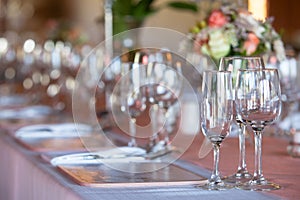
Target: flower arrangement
228,31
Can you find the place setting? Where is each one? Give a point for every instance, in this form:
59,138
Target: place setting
123,166
53,137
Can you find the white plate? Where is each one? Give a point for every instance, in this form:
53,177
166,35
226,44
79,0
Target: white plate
53,130
30,112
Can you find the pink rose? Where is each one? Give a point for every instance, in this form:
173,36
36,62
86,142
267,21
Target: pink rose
217,19
250,45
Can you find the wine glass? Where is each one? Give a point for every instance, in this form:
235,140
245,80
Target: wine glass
154,58
258,102
288,71
216,117
133,100
233,64
164,85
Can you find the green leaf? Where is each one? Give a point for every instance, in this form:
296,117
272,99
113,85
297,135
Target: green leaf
128,12
183,6
142,9
122,7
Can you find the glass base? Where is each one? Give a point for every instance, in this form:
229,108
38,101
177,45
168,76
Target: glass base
215,186
259,186
132,143
238,178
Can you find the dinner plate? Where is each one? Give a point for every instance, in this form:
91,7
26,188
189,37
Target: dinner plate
30,112
54,130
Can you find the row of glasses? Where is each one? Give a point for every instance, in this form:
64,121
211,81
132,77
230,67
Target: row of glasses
151,80
255,101
40,72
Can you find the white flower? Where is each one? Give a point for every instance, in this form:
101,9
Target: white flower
218,44
268,46
231,35
279,50
248,22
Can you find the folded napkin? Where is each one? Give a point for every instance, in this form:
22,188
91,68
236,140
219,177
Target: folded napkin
53,130
13,100
115,155
30,112
291,121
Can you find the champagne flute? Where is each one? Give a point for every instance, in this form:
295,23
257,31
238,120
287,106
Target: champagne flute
216,117
233,64
258,102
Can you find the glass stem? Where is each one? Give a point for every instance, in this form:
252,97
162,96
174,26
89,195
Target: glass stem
154,114
242,157
132,130
215,177
258,174
166,134
108,93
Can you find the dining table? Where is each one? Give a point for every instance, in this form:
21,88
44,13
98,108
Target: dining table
27,173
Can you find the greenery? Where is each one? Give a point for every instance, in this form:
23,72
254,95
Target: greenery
128,14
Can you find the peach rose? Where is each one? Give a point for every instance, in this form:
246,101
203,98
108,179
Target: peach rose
217,19
250,45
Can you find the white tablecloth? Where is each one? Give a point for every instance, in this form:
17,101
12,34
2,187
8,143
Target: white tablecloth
25,176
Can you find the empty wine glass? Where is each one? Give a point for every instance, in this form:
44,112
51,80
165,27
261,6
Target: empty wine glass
233,64
152,56
133,100
258,102
288,71
164,85
216,116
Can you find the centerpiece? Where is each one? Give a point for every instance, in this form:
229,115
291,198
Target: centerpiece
229,31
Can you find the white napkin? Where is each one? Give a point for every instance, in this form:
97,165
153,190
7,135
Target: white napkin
291,121
12,100
31,112
53,130
119,154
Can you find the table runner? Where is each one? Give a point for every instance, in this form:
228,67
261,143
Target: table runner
29,177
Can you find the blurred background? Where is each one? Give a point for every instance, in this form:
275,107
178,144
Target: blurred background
83,21
43,42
